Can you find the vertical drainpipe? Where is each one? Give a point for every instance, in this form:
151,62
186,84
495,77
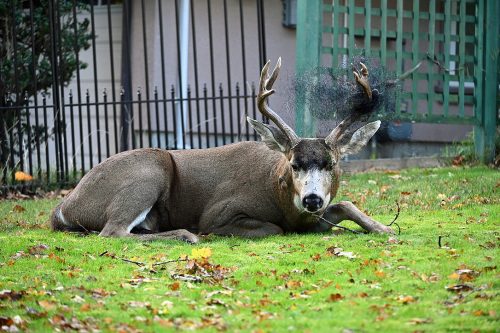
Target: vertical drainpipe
181,111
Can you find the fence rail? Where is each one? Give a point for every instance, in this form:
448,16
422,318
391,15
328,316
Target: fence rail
122,75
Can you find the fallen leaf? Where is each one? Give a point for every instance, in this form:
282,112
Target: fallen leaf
339,252
392,240
18,209
202,253
137,304
22,176
11,295
466,275
174,286
216,301
6,322
458,288
186,277
167,304
405,299
34,313
78,299
478,313
458,160
12,324
349,255
316,257
419,321
47,305
335,297
293,284
85,307
219,292
37,249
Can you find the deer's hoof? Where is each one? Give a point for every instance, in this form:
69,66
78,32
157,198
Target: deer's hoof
187,236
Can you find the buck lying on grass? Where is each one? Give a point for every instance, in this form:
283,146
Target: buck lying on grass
251,189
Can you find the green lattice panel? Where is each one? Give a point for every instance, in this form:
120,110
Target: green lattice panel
400,34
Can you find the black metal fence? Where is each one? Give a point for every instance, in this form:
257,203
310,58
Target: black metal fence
101,77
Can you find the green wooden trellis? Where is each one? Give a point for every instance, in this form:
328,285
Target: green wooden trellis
457,42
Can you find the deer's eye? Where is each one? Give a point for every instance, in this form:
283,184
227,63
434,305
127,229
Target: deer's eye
295,167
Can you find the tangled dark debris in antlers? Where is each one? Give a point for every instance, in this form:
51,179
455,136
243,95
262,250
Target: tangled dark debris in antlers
335,95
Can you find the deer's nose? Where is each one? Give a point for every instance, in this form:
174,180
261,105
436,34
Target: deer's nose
312,202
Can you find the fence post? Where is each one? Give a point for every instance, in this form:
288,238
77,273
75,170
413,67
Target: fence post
484,133
308,55
126,77
56,98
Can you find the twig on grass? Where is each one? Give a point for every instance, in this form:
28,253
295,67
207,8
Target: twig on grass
85,231
395,218
138,263
339,226
111,255
170,261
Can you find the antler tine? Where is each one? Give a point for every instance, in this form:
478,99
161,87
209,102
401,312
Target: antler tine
265,90
338,131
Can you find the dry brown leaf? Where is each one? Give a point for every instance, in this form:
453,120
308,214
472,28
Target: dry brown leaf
405,299
47,305
419,321
22,176
293,284
458,288
335,297
18,209
174,286
85,307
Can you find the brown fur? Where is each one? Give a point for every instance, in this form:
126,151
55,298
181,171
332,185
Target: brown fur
231,190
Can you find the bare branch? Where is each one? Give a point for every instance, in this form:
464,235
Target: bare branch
339,226
395,218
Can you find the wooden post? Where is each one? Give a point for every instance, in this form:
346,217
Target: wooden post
309,37
484,133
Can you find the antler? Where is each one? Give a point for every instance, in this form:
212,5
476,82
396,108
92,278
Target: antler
361,77
265,90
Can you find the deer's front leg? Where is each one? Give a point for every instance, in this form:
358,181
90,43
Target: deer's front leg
346,210
248,227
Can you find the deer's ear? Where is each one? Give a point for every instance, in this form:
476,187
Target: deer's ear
271,136
360,138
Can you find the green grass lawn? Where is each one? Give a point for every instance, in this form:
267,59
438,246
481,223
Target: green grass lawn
333,282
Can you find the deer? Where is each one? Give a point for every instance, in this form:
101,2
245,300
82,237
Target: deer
281,184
